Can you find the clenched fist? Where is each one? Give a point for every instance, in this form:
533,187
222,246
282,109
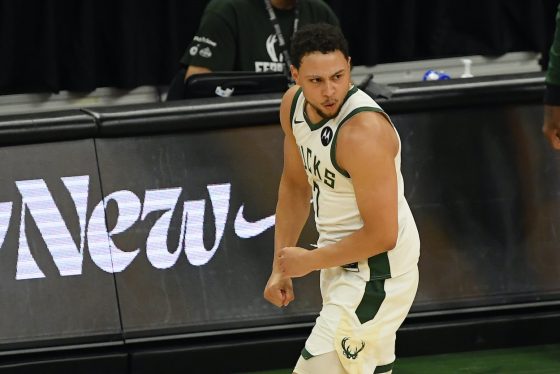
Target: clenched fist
279,290
551,127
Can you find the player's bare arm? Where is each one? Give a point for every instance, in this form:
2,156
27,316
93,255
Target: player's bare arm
366,149
551,127
292,209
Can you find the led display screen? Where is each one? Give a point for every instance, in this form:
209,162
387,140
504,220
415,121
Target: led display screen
180,226
192,215
50,285
483,191
483,185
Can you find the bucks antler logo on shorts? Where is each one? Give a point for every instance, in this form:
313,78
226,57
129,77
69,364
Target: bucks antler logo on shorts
348,351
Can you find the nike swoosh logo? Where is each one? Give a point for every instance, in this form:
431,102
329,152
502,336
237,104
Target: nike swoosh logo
246,230
296,121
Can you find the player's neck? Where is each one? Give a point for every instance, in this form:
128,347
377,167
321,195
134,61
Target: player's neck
283,4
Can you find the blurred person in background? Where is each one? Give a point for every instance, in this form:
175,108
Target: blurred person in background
551,127
250,35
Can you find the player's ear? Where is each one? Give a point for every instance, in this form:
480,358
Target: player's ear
295,74
349,62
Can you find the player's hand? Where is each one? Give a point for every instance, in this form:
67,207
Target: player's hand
551,127
293,262
279,290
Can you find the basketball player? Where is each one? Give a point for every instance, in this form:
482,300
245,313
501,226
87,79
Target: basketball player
341,150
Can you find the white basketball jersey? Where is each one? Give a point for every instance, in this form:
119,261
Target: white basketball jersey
334,200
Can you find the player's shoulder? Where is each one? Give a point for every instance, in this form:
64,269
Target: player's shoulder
359,107
288,105
290,96
367,122
369,129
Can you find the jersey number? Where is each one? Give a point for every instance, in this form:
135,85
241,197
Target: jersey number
316,193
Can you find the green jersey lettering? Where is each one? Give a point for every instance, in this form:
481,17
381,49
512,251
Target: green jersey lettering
316,164
309,154
303,157
329,178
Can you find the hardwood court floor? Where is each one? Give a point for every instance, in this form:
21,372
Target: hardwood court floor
542,359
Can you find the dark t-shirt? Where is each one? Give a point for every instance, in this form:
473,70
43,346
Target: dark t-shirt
238,34
552,93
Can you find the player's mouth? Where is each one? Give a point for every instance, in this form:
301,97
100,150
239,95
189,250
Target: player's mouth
330,105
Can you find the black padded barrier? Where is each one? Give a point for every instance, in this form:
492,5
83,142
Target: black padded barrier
187,115
184,237
86,363
53,295
46,127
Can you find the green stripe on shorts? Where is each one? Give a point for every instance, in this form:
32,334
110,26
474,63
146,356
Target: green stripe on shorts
305,354
384,368
374,294
379,266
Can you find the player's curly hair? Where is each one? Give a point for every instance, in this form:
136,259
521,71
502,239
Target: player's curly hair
318,37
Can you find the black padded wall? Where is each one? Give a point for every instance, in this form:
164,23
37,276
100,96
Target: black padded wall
52,45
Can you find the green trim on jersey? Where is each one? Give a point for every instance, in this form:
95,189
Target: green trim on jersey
350,92
313,126
318,125
333,146
305,354
384,368
374,294
293,107
379,266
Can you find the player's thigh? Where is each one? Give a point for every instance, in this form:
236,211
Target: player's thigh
325,363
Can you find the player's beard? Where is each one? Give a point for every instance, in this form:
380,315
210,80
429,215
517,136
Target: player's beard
321,113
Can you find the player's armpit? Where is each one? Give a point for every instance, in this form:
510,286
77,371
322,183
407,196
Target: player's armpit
551,126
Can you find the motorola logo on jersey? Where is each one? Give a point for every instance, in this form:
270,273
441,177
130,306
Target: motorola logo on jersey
39,204
326,136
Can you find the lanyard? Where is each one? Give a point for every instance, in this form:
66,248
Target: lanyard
280,36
